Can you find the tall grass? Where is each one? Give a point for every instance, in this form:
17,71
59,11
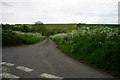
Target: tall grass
97,46
15,38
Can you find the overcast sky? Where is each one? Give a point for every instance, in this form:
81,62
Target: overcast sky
59,11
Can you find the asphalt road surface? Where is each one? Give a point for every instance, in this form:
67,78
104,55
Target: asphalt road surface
44,60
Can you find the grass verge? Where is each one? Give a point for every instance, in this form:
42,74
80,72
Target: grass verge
17,38
97,46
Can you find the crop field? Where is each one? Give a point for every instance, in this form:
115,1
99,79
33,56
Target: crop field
93,44
66,27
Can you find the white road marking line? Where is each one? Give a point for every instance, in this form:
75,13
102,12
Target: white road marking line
8,75
24,68
45,75
7,64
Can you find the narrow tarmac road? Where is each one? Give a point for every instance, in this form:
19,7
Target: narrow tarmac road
44,60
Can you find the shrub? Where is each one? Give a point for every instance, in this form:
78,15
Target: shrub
97,46
15,38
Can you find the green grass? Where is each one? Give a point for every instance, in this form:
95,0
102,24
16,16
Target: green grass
97,46
17,38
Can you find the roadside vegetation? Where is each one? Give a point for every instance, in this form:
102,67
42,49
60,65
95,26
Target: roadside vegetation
31,33
44,29
11,38
97,45
21,34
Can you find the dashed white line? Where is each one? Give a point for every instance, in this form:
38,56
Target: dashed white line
8,75
7,64
45,75
26,69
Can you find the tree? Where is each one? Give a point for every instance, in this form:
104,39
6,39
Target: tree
38,22
39,27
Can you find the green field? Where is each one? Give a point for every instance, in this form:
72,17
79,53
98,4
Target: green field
66,27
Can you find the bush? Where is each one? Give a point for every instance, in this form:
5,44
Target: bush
10,38
97,46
